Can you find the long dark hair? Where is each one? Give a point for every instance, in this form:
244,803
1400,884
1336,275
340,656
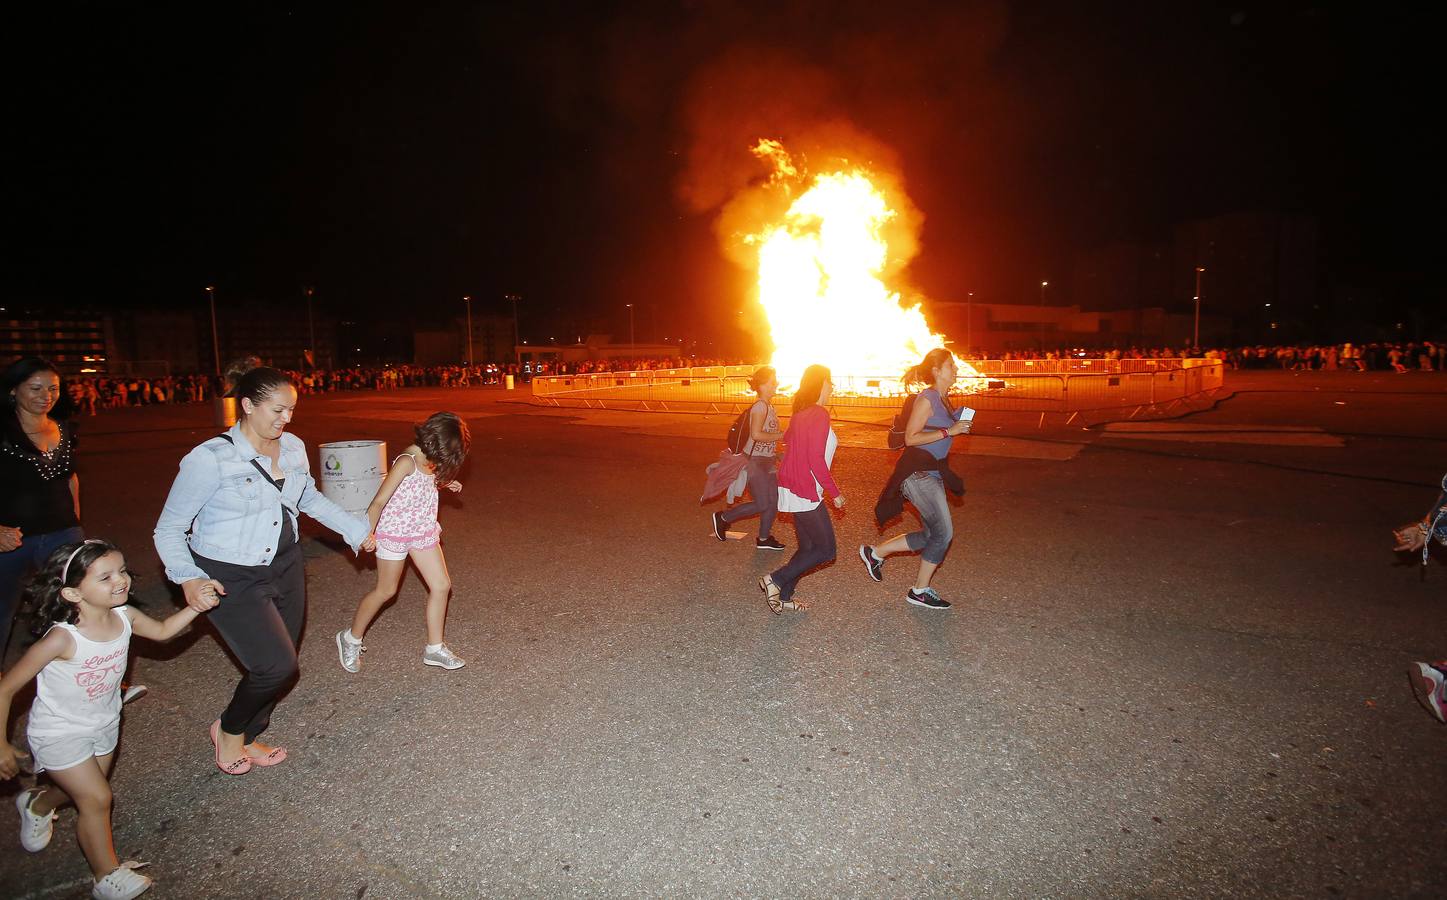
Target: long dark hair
924,373
811,387
16,374
444,440
246,377
61,570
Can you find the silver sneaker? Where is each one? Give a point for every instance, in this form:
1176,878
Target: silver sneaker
122,884
349,652
35,829
443,658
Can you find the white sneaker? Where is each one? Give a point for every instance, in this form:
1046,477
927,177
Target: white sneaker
35,829
122,884
349,652
443,658
133,692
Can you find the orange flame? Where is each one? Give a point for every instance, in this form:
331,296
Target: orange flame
821,280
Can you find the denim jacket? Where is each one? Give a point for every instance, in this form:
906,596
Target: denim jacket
1437,516
234,514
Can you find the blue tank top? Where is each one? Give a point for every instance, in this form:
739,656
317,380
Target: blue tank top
939,417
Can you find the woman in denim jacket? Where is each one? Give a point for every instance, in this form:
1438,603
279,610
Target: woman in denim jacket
239,496
1428,678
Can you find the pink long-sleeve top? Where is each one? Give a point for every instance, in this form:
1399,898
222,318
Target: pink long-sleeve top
804,462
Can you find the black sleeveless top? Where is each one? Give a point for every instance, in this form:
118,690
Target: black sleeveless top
35,487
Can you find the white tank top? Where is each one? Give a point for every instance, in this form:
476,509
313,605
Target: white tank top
81,693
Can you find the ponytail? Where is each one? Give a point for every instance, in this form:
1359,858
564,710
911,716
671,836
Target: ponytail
924,373
247,378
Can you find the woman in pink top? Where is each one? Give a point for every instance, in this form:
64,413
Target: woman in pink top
804,479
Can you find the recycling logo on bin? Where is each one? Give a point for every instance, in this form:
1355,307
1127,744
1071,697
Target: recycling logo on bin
332,463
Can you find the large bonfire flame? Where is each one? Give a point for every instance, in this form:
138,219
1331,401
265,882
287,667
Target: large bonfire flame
821,272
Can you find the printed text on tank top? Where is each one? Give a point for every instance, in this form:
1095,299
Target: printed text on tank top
84,690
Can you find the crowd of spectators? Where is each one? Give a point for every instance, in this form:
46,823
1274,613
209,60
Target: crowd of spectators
1400,357
89,394
92,393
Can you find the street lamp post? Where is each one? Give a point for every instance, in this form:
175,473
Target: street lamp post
1196,341
516,336
311,328
631,343
969,320
215,344
1043,286
467,300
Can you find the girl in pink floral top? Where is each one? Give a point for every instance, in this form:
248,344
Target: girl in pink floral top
404,525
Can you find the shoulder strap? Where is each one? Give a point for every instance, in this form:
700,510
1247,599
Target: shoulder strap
749,426
264,474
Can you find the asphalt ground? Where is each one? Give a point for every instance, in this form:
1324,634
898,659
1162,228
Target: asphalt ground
1176,666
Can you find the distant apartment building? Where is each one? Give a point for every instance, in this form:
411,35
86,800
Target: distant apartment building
73,343
160,342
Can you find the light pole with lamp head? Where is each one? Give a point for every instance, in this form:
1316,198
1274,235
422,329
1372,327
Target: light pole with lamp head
215,344
311,327
516,336
467,299
969,317
1043,286
1196,340
631,344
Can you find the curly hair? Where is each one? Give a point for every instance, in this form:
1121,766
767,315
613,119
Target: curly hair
62,571
444,440
762,375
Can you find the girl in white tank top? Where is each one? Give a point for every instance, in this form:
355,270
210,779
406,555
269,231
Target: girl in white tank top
74,724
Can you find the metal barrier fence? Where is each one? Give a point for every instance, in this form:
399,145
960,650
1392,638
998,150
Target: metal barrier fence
1151,387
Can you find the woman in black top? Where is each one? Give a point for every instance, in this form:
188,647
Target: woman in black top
39,490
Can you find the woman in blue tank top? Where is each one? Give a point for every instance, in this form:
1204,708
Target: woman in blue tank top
932,427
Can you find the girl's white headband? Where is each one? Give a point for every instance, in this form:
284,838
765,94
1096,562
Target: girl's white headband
65,571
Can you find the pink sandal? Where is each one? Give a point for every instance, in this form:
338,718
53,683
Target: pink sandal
235,767
276,757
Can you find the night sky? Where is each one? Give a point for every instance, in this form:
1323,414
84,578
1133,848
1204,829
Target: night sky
399,156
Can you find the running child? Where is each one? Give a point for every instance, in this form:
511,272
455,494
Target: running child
404,525
83,592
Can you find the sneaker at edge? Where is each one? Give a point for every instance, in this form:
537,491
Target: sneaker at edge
349,652
1431,680
768,543
35,830
443,658
875,567
122,884
720,527
927,598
